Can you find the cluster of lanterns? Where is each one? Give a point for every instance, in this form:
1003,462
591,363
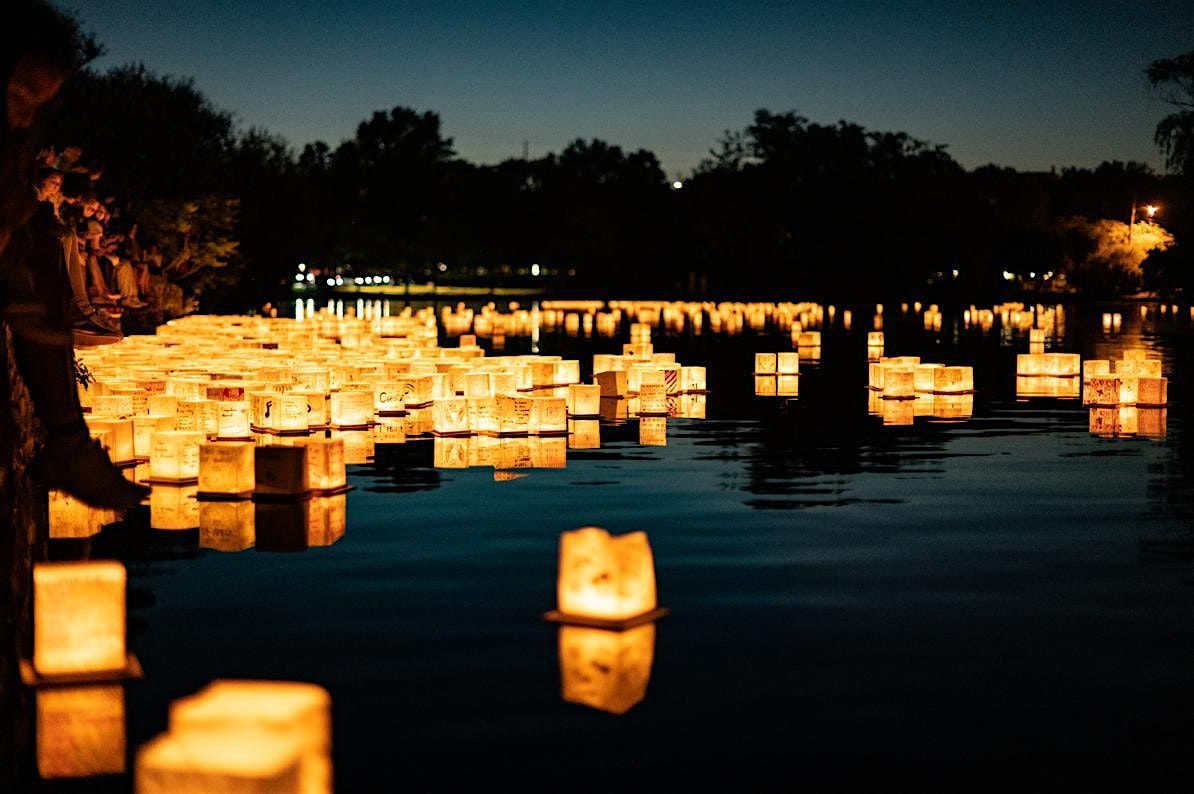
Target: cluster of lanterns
902,388
1126,397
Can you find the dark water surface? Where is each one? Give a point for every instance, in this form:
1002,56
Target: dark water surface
847,600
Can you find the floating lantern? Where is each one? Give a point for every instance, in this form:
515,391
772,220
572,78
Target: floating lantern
809,339
139,397
693,379
692,406
567,372
318,410
604,580
78,619
482,415
765,386
1129,390
174,455
787,386
477,384
80,731
351,408
1095,368
652,431
143,429
450,452
238,761
233,421
1036,336
325,463
603,669
281,471
923,375
584,399
874,339
548,415
174,508
514,415
1113,421
296,714
899,384
227,525
121,439
613,383
652,400
388,398
226,467
1101,390
450,416
765,363
953,380
787,363
71,518
114,405
1152,391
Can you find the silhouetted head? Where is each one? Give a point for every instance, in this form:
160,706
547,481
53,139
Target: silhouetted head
38,50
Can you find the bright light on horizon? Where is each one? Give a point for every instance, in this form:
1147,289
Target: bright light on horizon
677,185
534,270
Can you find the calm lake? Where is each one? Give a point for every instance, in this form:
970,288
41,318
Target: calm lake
849,600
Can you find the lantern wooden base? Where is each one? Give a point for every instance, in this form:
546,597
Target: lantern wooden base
584,416
393,413
365,426
234,438
555,616
168,481
332,491
130,672
459,434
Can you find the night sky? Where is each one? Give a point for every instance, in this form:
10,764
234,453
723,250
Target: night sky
1029,85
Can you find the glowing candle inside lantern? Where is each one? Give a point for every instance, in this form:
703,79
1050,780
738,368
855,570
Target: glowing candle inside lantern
174,454
604,577
78,617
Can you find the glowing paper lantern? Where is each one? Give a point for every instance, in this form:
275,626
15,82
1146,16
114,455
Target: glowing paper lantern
227,525
450,416
953,380
143,429
326,470
652,400
174,455
514,415
293,713
351,408
693,379
1095,368
584,399
765,363
232,761
226,467
162,404
765,385
80,731
613,383
874,339
603,669
899,384
318,410
1101,390
923,375
78,618
787,363
114,405
604,579
692,406
71,518
281,471
1152,391
548,415
482,415
233,419
1129,390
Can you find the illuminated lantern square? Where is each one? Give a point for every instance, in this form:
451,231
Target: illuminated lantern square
692,406
549,415
923,376
388,398
174,455
450,416
613,383
663,358
1036,336
1129,390
281,470
1030,364
543,373
200,415
351,408
953,380
326,460
294,713
482,415
80,731
899,384
765,385
114,405
876,375
139,398
567,372
809,339
143,429
1152,391
641,351
478,384
226,467
1152,422
652,431
291,412
584,434
174,508
121,439
514,415
584,399
318,409
765,363
513,453
603,669
604,578
652,400
787,363
233,419
953,406
1095,368
1101,390
228,526
78,618
417,390
875,339
246,762
1136,354
1063,365
693,379
787,386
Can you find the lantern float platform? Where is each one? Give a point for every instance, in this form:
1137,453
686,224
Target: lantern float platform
130,672
556,616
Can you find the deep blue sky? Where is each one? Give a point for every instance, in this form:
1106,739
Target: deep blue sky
1030,85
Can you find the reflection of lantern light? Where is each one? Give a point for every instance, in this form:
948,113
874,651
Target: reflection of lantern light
898,412
952,406
1047,386
227,526
604,579
230,761
693,379
80,731
652,431
173,507
450,452
549,452
584,433
226,467
298,714
78,618
652,400
765,385
174,455
1152,422
606,670
71,518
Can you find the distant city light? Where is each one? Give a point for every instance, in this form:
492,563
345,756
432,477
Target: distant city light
302,267
368,279
310,277
331,282
385,279
358,280
298,276
955,272
442,267
339,281
1008,276
534,270
1032,275
677,185
1151,209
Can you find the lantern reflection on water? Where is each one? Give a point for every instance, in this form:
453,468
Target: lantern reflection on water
652,431
80,731
174,507
79,619
71,518
605,581
584,434
1045,386
231,761
227,526
604,669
